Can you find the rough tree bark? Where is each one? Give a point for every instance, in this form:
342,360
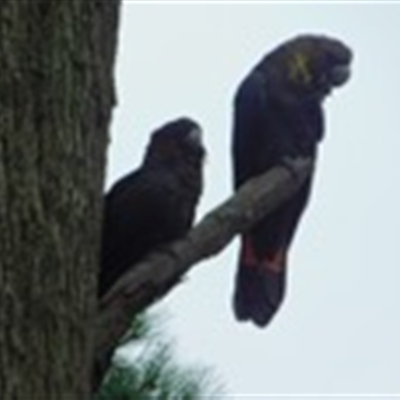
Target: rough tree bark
160,271
56,96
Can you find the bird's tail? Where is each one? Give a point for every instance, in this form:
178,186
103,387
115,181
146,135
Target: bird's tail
260,284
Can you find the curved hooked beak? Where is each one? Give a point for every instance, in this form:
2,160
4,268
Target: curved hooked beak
195,136
340,74
194,140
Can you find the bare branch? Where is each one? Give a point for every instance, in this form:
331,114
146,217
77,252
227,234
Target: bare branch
160,271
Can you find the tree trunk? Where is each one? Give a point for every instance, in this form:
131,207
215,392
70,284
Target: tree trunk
56,96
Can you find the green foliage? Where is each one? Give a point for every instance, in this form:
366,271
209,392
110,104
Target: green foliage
143,327
154,373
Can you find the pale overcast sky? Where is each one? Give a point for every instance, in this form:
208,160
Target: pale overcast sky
339,328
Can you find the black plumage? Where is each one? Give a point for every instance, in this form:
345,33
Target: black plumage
278,114
156,203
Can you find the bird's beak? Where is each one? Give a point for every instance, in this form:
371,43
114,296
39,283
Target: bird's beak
340,74
195,136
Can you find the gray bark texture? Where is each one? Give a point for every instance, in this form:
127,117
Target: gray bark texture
56,97
152,279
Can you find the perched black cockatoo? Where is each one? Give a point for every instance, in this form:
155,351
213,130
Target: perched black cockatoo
154,204
278,114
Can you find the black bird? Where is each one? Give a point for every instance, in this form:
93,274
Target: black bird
278,114
154,204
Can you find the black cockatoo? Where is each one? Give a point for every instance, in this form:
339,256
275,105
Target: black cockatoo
154,204
278,114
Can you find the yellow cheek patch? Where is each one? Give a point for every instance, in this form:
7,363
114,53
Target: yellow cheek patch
299,71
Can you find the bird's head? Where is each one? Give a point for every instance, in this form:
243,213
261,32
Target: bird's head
181,138
309,65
